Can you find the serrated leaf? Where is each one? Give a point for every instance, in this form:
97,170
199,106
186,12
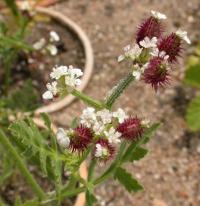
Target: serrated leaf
143,140
126,179
136,155
192,75
193,114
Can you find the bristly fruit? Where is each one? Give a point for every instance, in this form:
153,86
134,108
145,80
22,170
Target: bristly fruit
151,27
80,138
156,73
103,150
131,129
171,45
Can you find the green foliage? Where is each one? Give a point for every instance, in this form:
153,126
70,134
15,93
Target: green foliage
127,180
192,78
12,6
192,75
90,198
193,114
23,99
134,151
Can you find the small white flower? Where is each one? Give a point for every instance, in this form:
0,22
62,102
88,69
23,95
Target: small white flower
39,44
158,15
105,115
47,95
113,136
155,52
120,115
52,49
75,71
146,123
25,6
98,127
137,75
130,53
54,37
100,151
88,117
59,71
62,138
149,43
183,35
51,90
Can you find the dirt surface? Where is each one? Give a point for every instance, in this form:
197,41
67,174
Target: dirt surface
170,173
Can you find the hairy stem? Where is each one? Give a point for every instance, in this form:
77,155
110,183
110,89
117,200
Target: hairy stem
21,166
91,169
118,90
88,100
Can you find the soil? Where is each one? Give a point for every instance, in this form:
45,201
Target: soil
170,173
38,65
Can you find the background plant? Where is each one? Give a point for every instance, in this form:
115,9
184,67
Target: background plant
192,78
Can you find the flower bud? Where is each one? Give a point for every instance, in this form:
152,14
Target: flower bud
150,28
80,138
171,45
156,73
131,129
103,150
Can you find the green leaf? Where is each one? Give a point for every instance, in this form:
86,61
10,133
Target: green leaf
12,6
193,114
31,203
126,179
74,123
137,154
143,140
90,198
192,75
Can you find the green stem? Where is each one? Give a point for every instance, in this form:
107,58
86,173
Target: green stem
88,100
91,169
22,167
118,89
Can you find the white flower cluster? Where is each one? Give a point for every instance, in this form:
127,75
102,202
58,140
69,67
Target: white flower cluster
62,138
100,123
149,46
70,77
49,44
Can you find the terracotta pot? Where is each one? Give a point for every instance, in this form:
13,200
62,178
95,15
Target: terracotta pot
80,200
89,59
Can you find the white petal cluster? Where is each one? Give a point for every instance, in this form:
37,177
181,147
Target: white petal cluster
162,54
113,136
62,138
100,122
149,43
183,35
48,44
138,71
54,37
130,53
158,15
100,151
120,115
51,90
71,79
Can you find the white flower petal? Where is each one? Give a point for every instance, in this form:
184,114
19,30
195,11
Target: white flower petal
158,15
183,35
47,95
